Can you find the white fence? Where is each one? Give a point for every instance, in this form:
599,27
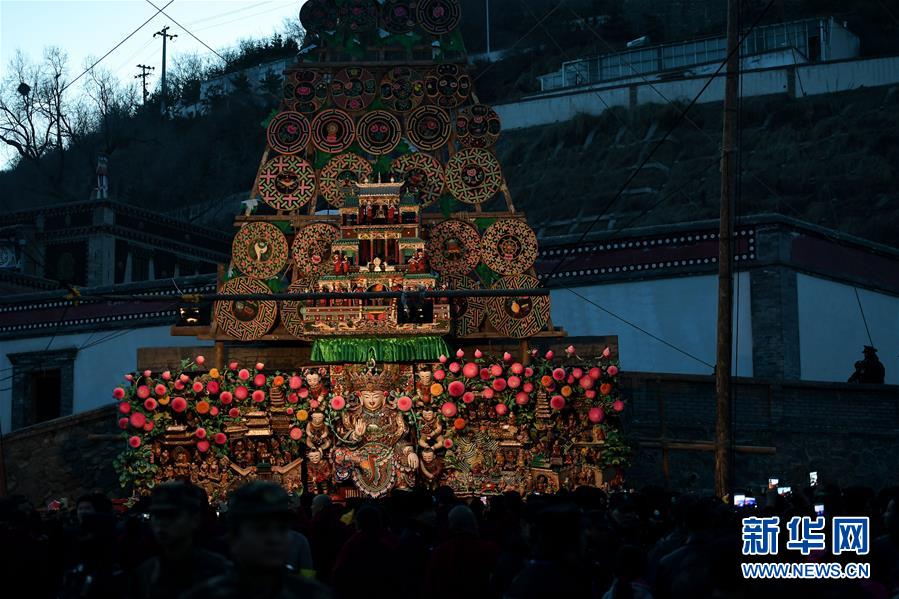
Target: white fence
797,80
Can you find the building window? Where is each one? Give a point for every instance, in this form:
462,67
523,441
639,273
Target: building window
42,386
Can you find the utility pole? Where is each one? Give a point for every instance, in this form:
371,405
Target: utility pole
723,441
487,12
165,38
144,73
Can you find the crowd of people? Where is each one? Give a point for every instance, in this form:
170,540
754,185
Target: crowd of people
264,543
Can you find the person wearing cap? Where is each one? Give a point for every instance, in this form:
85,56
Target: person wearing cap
259,539
176,513
869,370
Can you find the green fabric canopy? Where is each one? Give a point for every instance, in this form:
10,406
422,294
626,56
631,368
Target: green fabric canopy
387,349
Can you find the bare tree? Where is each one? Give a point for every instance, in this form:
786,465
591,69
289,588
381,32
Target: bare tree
35,118
293,29
111,105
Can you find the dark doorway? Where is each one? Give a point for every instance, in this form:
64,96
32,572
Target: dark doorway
46,388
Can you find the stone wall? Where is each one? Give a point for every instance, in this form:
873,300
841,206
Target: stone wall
65,457
849,434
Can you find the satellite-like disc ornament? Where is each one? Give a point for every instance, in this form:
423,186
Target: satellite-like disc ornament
448,85
247,320
311,249
318,16
422,175
454,247
402,89
353,89
359,15
473,175
518,316
477,126
466,312
438,17
333,131
397,16
428,127
306,90
288,132
286,182
378,132
342,171
259,250
509,246
292,310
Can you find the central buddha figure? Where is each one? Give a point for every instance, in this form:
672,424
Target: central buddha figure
376,436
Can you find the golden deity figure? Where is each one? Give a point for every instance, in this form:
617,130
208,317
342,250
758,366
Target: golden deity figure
376,435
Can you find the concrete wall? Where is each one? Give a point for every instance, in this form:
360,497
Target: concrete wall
832,333
683,311
97,368
809,79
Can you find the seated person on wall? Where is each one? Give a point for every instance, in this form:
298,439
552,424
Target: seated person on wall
870,369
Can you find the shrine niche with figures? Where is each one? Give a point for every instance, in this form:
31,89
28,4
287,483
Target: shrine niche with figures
378,174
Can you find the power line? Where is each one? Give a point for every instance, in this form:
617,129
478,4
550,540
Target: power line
664,138
639,328
187,31
114,48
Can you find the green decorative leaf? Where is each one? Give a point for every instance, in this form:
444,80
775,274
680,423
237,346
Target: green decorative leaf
268,119
284,226
487,275
484,223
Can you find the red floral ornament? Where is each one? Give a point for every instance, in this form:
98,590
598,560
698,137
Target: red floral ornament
226,397
148,426
559,374
220,438
124,407
478,354
468,397
260,366
150,404
295,382
557,402
337,402
134,441
618,405
244,374
212,387
514,382
459,424
460,353
203,446
123,423
470,370
499,384
605,388
586,382
456,388
200,433
522,398
485,374
258,395
233,413
296,433
197,387
447,443
143,391
501,409
596,414
167,376
612,370
118,393
404,403
448,409
454,367
439,375
179,404
496,370
241,393
259,380
487,393
507,357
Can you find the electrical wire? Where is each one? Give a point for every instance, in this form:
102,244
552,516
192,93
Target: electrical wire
664,138
185,29
114,48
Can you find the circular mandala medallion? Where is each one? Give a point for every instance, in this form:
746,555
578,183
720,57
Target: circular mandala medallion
509,246
311,249
288,132
305,91
341,171
466,312
448,85
454,247
246,320
473,175
292,311
332,131
518,316
428,127
397,17
378,132
477,126
319,15
438,17
422,175
402,89
353,88
359,15
287,182
259,250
